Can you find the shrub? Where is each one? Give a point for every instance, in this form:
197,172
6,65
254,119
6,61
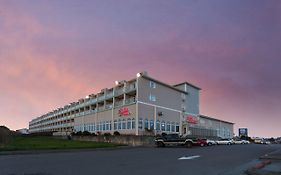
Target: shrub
86,133
107,134
116,133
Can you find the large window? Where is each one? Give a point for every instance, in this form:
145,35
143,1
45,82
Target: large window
158,125
129,123
115,124
119,124
124,124
145,124
163,126
173,127
177,127
140,123
133,124
151,124
168,128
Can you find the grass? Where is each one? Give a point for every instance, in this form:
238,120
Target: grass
50,143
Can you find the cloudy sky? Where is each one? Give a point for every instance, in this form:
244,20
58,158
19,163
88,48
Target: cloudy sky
55,52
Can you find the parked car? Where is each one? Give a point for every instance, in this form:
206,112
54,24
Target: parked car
173,139
225,142
211,142
238,141
200,142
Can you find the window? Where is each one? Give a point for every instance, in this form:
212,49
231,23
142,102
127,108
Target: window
123,124
152,97
140,123
177,127
115,124
163,126
168,127
103,126
173,127
119,123
129,123
145,124
151,124
152,84
158,125
133,123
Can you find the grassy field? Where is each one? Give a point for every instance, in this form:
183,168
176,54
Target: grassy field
50,143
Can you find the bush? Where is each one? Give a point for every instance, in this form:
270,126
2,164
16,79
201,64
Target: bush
86,133
107,134
116,133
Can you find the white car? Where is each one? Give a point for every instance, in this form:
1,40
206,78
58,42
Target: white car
225,142
211,142
241,142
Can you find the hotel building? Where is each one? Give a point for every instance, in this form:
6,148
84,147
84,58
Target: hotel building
140,106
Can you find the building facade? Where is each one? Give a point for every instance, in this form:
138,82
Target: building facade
140,106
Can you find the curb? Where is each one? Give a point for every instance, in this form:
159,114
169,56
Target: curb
6,153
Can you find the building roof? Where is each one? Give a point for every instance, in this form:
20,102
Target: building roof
164,84
188,84
207,117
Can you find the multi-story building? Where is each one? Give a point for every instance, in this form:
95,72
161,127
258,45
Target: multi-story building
140,106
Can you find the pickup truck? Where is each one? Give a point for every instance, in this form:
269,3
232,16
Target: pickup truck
173,139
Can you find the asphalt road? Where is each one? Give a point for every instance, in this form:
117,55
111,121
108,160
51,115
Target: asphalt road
198,160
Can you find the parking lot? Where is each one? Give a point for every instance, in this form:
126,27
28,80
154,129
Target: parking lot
209,160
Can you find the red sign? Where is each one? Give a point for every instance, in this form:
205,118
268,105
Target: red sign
124,111
191,119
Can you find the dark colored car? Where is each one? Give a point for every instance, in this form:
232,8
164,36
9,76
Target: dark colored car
173,139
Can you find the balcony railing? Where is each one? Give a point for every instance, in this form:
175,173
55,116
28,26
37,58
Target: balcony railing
119,91
118,103
130,100
108,106
130,87
109,94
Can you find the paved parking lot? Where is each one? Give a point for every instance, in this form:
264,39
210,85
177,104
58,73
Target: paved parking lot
198,160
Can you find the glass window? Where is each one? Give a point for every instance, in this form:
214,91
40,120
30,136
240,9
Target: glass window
168,127
163,126
119,123
123,124
129,123
152,97
103,126
152,84
133,123
158,125
107,125
140,123
145,124
115,124
177,127
94,127
110,128
151,124
173,127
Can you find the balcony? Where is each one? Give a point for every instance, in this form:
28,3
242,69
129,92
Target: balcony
131,87
118,91
108,106
109,94
118,103
130,100
102,97
101,108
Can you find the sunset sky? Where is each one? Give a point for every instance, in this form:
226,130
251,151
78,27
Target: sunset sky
55,52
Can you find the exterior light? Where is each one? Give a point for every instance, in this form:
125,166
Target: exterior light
87,97
138,75
116,82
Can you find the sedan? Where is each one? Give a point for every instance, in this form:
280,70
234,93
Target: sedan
224,142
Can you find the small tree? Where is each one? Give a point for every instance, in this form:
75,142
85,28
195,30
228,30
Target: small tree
116,133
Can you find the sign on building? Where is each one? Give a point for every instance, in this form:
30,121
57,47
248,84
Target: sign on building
243,132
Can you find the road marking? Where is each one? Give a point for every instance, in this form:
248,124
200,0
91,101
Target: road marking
188,158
